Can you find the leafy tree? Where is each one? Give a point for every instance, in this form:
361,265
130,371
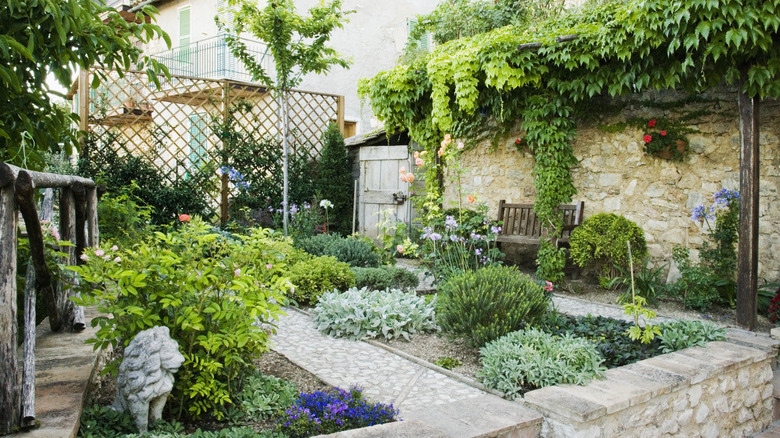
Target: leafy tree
335,178
297,44
56,37
453,19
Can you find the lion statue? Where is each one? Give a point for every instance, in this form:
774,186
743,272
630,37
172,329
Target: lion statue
146,375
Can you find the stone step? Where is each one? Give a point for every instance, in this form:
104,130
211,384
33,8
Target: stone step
776,394
485,416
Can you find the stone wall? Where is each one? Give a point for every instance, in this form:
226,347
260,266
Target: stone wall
614,175
722,389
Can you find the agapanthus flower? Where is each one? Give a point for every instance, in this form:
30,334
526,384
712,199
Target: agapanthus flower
450,223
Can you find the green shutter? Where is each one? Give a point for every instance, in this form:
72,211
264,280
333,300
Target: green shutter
422,42
184,37
197,141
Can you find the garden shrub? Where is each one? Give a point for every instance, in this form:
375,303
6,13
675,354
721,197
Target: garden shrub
600,242
607,334
123,218
356,251
531,358
313,276
364,313
210,291
486,304
325,412
334,181
385,277
697,286
679,334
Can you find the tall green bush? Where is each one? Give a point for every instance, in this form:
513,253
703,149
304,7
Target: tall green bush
600,242
486,304
353,250
209,290
313,276
335,179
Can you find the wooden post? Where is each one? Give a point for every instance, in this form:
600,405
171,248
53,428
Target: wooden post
80,209
67,232
28,369
93,233
340,115
9,375
25,200
747,258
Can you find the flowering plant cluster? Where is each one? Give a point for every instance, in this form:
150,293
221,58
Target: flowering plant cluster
667,143
236,177
460,240
325,412
303,218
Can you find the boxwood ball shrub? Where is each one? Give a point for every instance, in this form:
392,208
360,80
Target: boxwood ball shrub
385,277
531,358
486,304
600,243
313,276
364,313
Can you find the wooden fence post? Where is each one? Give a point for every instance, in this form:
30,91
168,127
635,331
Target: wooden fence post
93,235
9,374
67,232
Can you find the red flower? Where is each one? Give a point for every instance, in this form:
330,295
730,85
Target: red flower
517,141
184,217
648,138
663,132
651,123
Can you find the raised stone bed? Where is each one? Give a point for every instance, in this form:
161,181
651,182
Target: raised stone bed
722,389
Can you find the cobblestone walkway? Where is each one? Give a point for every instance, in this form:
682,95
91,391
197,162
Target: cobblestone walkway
578,307
384,377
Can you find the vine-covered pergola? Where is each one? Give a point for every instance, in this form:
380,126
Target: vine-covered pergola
547,74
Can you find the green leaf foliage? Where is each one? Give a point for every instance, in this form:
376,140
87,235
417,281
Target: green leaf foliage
612,49
486,304
529,359
353,250
51,38
313,276
363,313
334,181
215,294
600,242
385,277
680,334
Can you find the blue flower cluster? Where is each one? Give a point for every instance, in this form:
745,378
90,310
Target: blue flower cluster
723,199
325,412
235,177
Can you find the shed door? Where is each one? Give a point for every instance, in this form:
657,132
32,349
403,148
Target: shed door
380,179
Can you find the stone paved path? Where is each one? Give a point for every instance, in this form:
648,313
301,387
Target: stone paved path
578,307
385,377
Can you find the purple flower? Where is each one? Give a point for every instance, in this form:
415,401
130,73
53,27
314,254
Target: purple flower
427,232
478,251
450,223
294,209
453,238
495,230
435,236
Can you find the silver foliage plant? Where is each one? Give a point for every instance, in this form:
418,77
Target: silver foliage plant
362,313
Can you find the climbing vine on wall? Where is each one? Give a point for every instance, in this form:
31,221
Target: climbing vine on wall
546,75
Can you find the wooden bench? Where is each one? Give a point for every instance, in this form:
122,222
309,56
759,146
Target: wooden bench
520,224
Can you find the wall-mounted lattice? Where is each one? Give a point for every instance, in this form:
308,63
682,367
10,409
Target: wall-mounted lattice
188,123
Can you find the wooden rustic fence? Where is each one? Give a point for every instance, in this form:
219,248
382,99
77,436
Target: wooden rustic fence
77,224
180,125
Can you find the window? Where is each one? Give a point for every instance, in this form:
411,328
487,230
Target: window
197,141
425,42
184,34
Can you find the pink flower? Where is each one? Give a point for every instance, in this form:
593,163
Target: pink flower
400,249
447,140
409,177
99,252
84,257
651,123
548,287
117,260
441,151
648,138
403,177
663,132
419,162
184,217
416,155
106,257
269,266
471,199
237,272
461,145
114,248
402,169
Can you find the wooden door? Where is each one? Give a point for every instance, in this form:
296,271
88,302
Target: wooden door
381,190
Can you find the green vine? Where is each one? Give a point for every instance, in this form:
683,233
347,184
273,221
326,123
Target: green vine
489,81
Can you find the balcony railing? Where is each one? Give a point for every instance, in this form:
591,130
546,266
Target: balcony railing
211,59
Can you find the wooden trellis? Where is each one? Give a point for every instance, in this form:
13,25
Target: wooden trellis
78,224
176,126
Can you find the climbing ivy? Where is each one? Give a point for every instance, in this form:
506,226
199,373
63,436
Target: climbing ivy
612,50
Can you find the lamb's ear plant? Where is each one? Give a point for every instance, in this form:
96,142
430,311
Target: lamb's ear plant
636,309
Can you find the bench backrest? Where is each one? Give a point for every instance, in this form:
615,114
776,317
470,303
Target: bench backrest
521,220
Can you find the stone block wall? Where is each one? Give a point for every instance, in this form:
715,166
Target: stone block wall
722,389
614,175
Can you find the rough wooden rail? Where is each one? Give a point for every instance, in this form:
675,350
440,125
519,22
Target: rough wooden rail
78,223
